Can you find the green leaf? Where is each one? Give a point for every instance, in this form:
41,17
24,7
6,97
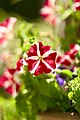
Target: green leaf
66,14
77,106
78,55
43,87
67,72
26,47
42,102
70,95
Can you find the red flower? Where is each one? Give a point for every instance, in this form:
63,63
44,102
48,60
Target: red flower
68,58
48,11
9,82
76,4
19,66
6,28
41,59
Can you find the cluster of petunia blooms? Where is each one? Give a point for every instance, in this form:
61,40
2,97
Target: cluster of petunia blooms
40,59
50,10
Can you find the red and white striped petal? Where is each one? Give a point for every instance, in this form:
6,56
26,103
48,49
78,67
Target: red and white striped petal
43,48
49,3
47,65
44,62
8,23
31,64
32,51
76,5
48,11
35,67
48,15
42,68
6,28
7,81
68,58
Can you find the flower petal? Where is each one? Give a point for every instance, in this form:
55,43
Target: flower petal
69,57
43,48
31,64
60,80
50,59
9,23
8,83
6,28
35,67
42,68
32,51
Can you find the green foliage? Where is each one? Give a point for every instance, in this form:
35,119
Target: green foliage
41,93
8,109
74,91
67,73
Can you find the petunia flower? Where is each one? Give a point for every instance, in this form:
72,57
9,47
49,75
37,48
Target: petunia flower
76,5
10,82
69,57
60,80
6,29
48,11
20,63
41,59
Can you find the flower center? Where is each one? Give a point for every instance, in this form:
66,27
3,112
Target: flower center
40,58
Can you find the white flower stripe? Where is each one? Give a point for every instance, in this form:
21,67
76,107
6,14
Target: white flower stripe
46,10
7,84
47,65
14,90
66,57
33,58
12,20
76,47
35,67
3,29
76,4
23,62
38,51
16,77
52,1
46,54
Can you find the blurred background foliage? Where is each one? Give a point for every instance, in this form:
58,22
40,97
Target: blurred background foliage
28,10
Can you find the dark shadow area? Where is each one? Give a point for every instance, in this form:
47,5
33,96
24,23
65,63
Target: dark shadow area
29,9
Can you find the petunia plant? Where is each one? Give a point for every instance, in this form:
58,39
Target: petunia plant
38,72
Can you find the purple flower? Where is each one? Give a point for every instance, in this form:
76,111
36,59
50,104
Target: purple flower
61,81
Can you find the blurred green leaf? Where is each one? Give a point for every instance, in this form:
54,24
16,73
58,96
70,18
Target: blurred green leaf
67,72
66,14
42,102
